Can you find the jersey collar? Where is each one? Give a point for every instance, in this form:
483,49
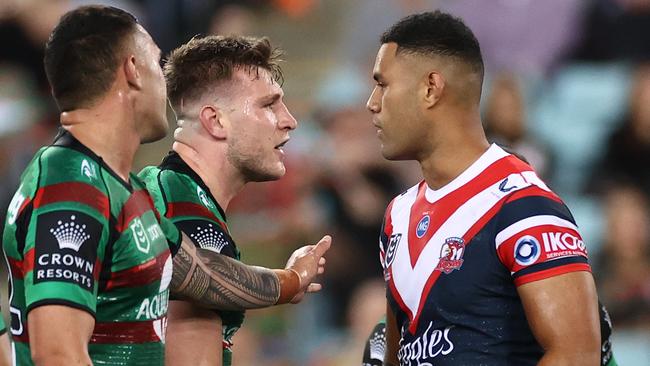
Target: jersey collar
65,139
174,162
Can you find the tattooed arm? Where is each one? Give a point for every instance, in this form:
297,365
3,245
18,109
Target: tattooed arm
216,281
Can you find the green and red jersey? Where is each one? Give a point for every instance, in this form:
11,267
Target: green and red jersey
76,234
182,196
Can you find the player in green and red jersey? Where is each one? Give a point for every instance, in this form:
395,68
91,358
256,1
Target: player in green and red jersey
89,256
232,125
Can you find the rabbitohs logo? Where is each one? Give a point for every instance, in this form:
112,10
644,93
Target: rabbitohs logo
204,197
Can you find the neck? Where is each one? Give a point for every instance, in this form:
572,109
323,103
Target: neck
103,129
454,152
219,175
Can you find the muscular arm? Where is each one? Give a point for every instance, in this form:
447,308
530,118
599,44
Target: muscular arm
392,338
59,336
5,350
563,314
215,281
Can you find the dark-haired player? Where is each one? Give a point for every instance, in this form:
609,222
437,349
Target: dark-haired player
232,125
484,264
89,256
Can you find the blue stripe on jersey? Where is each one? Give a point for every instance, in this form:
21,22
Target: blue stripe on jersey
520,209
550,264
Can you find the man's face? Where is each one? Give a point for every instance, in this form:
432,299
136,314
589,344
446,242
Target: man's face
151,107
393,104
259,125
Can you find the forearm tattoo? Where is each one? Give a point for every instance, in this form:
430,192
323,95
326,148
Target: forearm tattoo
216,281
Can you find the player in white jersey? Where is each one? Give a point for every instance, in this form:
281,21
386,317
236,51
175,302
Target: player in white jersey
484,264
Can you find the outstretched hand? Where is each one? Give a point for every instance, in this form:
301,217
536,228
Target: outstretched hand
308,262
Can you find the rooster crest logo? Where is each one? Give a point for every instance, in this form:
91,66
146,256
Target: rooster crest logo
70,234
451,255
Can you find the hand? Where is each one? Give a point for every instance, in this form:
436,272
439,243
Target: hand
308,262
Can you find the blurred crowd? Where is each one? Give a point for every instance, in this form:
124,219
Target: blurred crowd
567,87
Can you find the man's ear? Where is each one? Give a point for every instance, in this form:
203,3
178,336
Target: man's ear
131,73
434,86
212,121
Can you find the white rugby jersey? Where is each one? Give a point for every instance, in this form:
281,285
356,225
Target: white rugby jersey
453,258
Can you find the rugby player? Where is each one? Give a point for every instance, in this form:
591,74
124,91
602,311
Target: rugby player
233,124
89,256
483,263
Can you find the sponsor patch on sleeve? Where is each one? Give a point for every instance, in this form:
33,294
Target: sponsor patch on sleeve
66,248
540,239
208,235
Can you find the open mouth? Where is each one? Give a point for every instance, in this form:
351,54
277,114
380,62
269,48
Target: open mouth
281,145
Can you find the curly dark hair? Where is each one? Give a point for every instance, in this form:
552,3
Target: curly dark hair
204,61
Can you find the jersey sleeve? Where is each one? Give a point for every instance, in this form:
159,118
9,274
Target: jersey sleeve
387,241
537,237
172,234
66,238
208,234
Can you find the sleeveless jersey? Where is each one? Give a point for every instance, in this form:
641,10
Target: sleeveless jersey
182,196
76,234
453,259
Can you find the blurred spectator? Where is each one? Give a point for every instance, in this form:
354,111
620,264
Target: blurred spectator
505,123
627,154
367,306
356,184
616,30
529,37
623,268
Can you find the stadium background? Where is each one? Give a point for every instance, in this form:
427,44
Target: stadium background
567,86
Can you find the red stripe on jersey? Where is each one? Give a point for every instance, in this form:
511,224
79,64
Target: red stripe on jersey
114,333
447,205
140,275
548,250
534,191
192,209
552,272
19,267
467,237
137,204
26,202
125,332
73,192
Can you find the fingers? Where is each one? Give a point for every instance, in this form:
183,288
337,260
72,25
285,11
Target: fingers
314,287
322,246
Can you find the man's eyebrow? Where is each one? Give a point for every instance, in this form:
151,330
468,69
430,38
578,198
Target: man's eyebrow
271,98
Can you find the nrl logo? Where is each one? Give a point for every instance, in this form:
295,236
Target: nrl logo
392,248
70,235
451,255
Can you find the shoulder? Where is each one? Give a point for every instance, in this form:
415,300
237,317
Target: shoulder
61,165
404,200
